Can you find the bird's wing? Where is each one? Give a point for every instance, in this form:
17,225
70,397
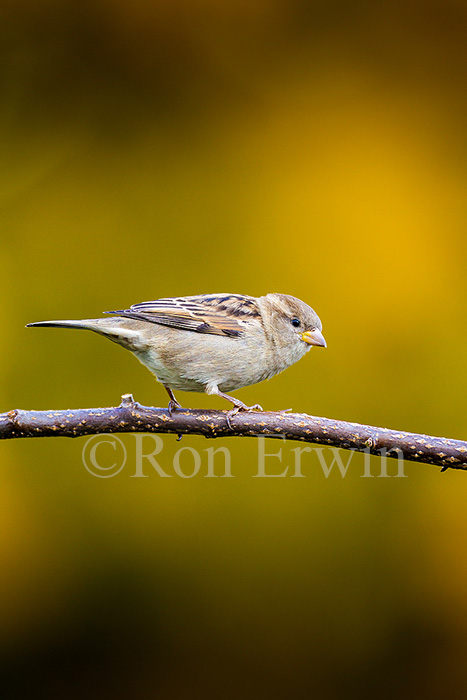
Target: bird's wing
217,314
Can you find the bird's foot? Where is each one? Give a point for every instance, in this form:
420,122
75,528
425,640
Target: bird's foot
173,403
173,406
240,406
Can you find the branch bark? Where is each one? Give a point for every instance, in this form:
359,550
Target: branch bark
131,416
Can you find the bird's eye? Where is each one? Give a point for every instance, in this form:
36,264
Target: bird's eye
295,322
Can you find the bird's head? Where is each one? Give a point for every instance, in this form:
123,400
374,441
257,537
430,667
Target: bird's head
292,322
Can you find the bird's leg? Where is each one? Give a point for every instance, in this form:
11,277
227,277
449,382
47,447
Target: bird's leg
238,405
173,403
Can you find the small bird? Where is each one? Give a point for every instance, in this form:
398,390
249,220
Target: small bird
211,343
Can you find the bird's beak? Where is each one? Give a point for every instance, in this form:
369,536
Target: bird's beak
314,338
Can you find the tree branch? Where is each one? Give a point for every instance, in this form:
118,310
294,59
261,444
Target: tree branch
131,416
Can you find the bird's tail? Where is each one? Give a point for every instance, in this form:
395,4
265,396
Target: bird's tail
86,324
121,330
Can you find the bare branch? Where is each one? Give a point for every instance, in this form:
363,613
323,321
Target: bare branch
131,416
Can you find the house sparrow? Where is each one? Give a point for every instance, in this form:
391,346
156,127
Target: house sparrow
211,343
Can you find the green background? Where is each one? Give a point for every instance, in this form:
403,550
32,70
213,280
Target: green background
151,149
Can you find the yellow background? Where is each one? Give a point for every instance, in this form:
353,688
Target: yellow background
151,149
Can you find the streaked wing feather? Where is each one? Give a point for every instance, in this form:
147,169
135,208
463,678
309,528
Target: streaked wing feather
216,314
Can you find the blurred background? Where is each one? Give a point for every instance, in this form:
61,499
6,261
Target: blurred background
151,149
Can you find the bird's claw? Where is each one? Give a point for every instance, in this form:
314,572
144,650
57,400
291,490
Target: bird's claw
173,406
241,407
